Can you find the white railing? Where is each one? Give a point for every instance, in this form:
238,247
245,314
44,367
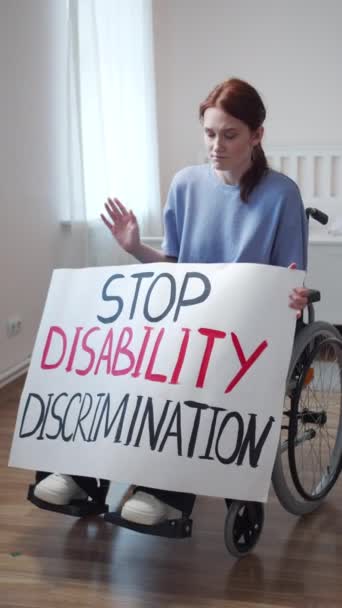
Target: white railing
318,172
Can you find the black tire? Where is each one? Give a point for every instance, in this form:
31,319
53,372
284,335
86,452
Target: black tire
243,526
287,483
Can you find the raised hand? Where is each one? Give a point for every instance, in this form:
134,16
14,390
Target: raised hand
124,225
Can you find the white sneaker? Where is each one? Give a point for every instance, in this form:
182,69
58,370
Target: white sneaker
59,490
143,508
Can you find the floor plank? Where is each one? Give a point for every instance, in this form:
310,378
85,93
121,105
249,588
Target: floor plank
54,561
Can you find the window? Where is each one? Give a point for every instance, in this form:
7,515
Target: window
112,110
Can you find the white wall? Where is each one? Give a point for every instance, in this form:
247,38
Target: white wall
32,166
290,51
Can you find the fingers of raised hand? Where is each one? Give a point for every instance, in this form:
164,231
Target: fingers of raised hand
113,213
116,210
108,224
119,206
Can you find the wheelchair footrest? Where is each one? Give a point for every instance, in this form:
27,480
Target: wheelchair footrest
170,528
77,508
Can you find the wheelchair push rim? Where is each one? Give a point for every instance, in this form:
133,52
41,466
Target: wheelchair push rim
315,426
300,430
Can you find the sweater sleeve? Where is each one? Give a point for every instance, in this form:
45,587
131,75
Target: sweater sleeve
291,240
170,243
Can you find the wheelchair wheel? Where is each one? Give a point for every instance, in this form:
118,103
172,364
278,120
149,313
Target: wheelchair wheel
243,526
309,456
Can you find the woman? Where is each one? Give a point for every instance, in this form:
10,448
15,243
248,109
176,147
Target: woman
232,209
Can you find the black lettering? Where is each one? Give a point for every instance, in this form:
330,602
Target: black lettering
40,436
117,438
250,441
171,300
206,455
201,298
66,413
178,433
109,298
56,417
106,410
133,421
153,433
81,418
100,395
239,438
40,419
195,427
140,276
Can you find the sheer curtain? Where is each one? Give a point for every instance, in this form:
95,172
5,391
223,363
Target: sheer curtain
112,119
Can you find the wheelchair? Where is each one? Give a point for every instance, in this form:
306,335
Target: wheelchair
309,456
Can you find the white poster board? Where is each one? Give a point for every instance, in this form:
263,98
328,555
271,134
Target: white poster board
165,375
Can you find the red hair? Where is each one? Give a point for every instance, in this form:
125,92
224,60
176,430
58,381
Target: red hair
239,99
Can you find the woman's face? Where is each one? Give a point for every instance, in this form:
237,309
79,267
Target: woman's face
228,140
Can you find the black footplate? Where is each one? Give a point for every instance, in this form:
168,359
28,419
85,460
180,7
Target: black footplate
170,528
76,508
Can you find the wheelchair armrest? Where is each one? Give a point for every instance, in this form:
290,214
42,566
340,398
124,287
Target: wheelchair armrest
314,296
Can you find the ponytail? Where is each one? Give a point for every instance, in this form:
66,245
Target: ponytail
254,174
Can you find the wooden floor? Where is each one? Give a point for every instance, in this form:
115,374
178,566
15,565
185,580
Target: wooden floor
50,560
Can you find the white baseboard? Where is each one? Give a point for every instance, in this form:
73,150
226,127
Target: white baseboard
14,372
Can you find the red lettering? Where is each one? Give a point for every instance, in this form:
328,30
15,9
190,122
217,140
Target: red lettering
245,363
54,329
211,334
122,349
149,375
106,356
179,364
89,350
73,349
142,352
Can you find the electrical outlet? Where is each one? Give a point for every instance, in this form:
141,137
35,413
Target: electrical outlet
14,326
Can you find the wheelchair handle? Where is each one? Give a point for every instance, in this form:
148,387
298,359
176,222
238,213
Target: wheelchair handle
317,215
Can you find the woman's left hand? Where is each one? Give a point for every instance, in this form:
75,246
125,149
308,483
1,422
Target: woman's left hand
299,297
